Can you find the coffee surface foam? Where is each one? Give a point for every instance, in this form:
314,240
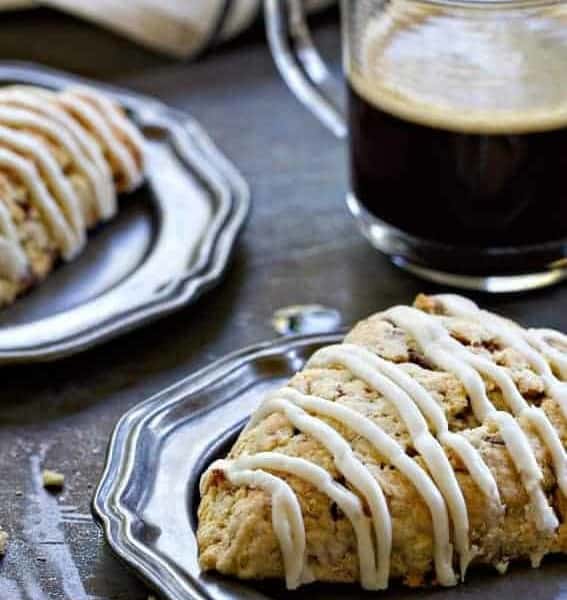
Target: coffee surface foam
470,70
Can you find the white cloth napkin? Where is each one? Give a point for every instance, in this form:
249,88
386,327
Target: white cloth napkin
16,4
176,27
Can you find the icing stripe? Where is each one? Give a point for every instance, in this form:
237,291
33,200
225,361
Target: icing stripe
58,184
393,452
526,464
520,408
34,99
348,502
30,121
117,119
41,199
439,347
514,336
13,260
353,471
547,432
539,339
506,331
369,368
556,336
467,453
287,520
93,121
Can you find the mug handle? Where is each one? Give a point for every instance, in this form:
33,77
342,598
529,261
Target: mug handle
300,64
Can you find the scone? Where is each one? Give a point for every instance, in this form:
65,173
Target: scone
63,158
430,441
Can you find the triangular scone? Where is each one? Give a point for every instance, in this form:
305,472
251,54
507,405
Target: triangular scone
431,440
76,151
58,178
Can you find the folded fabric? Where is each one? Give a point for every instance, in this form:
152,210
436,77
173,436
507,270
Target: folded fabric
16,4
179,28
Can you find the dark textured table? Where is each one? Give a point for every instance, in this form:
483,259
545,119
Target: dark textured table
300,246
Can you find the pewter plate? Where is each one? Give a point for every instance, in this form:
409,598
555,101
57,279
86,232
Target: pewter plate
170,242
147,498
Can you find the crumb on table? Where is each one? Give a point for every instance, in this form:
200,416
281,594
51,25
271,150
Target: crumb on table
52,479
3,542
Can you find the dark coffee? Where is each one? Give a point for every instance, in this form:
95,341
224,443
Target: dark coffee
458,122
462,188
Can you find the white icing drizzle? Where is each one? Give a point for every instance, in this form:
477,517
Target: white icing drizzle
348,502
525,342
287,519
467,453
41,199
41,102
419,411
393,452
30,121
540,338
92,119
25,110
511,335
58,184
554,335
441,349
13,259
353,471
376,373
116,118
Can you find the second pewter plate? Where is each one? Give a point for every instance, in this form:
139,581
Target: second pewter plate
148,495
170,241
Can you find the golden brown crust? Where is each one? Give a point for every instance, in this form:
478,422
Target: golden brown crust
235,534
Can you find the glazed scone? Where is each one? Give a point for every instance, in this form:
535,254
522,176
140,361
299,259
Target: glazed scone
430,441
93,182
60,172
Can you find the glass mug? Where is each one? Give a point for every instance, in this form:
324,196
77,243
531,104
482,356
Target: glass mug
457,126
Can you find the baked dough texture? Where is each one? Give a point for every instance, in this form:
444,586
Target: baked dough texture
518,445
64,156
